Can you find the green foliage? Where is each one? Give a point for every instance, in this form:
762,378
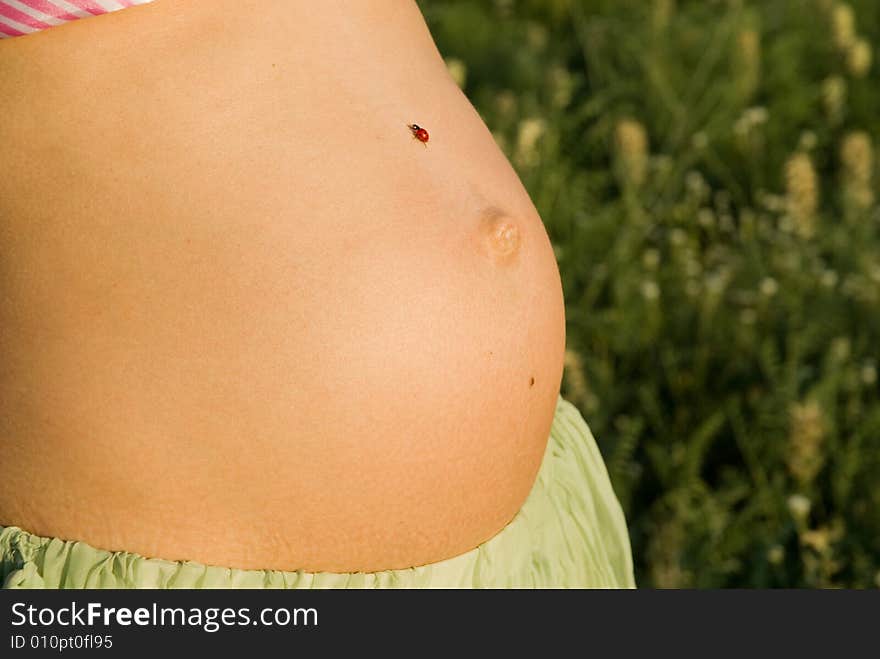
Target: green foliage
704,170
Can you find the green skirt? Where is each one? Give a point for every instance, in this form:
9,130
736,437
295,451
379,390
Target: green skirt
570,532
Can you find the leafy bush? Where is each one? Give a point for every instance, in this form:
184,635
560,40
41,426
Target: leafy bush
705,171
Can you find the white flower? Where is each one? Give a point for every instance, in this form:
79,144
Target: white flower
650,290
677,237
869,374
528,136
769,287
808,140
706,218
843,25
458,70
859,58
715,283
829,278
756,115
841,348
799,506
776,554
562,86
696,184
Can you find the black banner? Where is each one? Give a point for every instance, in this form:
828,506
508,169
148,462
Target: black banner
396,622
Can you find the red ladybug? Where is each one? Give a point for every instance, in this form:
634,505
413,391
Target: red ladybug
419,133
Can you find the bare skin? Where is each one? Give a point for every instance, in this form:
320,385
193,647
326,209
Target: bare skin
245,318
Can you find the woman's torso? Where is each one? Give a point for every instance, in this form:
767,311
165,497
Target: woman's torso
245,318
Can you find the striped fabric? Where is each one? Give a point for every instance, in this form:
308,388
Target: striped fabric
19,17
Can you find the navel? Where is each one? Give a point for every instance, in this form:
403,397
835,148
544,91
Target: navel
502,236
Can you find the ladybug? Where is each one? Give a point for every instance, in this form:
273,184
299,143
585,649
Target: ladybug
419,133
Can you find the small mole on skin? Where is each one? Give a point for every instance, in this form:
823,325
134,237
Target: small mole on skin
532,382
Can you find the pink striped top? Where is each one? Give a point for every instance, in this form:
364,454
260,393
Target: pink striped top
18,17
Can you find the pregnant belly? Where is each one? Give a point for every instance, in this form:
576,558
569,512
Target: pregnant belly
253,327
